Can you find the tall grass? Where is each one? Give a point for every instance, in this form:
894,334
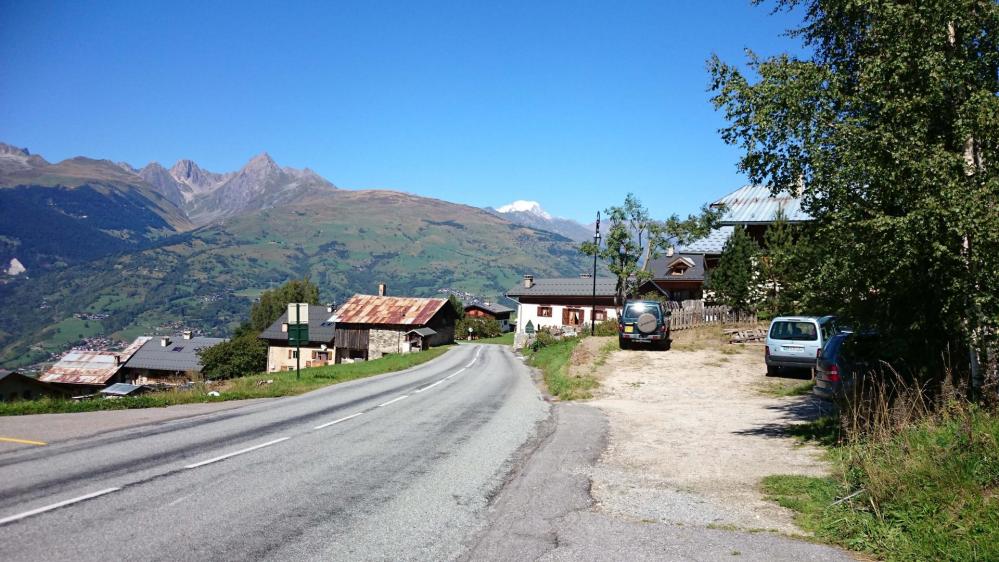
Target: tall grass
916,475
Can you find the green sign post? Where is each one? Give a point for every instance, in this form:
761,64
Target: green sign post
298,332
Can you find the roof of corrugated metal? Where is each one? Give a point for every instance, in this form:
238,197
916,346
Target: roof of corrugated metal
713,243
90,367
566,287
753,204
397,311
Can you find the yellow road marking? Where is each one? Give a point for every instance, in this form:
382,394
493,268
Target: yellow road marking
22,441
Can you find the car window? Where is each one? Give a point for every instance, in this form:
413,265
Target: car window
636,309
791,330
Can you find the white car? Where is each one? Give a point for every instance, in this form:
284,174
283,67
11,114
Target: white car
797,341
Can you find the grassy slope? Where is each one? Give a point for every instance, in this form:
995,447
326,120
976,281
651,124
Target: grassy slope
346,242
553,361
929,493
284,383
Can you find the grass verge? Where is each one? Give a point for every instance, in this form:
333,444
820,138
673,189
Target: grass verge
505,339
784,389
553,360
930,492
253,386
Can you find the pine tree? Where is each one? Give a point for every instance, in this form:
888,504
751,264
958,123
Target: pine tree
733,282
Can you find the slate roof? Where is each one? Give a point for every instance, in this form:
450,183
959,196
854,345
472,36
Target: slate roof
90,367
320,327
713,243
695,270
395,311
423,332
179,355
753,204
566,287
491,307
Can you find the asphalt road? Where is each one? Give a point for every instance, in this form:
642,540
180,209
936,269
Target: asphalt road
394,467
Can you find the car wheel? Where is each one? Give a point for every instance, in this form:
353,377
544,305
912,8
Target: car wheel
622,343
773,370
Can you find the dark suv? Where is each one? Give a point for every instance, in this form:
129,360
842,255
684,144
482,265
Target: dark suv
644,323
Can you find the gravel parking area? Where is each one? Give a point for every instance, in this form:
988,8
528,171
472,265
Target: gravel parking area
692,434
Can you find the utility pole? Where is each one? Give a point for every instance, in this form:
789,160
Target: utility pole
596,250
298,346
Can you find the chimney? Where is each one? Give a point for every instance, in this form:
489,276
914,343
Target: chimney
381,289
528,281
164,341
187,334
329,308
586,276
670,251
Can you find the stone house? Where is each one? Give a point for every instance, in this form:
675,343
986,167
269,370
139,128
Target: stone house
370,326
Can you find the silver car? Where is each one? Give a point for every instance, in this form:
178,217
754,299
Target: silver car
797,341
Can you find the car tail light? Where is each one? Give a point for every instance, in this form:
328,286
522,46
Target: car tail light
662,328
620,328
833,373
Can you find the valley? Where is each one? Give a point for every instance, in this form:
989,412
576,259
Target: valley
201,245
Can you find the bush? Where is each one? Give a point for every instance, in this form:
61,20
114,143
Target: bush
240,356
606,328
543,338
481,327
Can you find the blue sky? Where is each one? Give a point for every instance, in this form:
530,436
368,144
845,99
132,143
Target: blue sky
573,104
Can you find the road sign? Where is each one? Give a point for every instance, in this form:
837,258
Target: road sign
298,334
298,313
529,328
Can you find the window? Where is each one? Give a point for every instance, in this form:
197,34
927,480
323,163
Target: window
678,270
292,354
636,309
599,315
178,348
797,331
544,312
572,316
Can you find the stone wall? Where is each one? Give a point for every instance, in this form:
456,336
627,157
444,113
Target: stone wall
381,342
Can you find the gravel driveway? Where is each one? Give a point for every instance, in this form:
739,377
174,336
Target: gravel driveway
691,436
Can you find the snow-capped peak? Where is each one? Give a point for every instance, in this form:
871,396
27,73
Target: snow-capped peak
521,206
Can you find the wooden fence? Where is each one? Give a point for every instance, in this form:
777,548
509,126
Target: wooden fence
699,316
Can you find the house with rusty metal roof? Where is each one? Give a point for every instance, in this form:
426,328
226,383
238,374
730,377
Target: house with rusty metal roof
316,352
18,386
370,326
89,371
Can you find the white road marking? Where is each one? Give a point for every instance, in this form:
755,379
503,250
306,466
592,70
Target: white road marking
20,516
430,386
240,452
334,422
178,500
456,373
393,401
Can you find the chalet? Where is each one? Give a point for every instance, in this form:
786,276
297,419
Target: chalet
84,372
317,352
497,312
754,208
17,386
370,326
679,277
167,360
565,303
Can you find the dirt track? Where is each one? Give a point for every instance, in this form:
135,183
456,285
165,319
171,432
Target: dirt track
692,435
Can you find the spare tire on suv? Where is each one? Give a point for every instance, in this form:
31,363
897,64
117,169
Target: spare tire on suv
644,322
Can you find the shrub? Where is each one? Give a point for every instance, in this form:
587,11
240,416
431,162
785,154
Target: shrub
481,327
606,328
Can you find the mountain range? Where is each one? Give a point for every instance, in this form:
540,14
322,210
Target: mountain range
530,213
112,251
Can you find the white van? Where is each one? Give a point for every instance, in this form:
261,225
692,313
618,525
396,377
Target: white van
797,341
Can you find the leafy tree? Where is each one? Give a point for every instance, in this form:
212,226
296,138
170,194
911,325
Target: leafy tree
889,129
274,303
633,239
240,356
481,327
733,282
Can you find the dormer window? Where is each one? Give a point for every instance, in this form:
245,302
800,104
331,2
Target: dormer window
678,269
